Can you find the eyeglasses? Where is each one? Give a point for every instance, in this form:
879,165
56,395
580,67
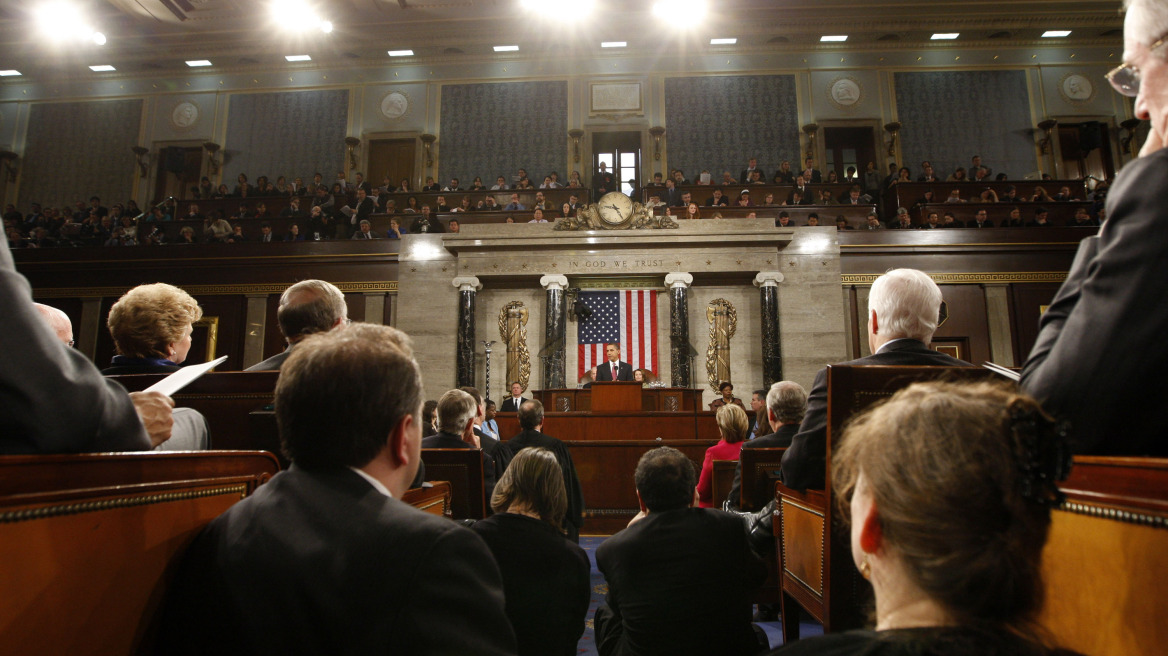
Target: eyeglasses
1125,78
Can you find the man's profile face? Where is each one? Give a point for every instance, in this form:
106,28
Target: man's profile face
516,389
613,352
755,402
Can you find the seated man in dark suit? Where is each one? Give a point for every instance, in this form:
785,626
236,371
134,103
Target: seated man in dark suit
530,424
785,402
324,558
456,423
614,369
306,308
680,578
512,403
903,311
491,446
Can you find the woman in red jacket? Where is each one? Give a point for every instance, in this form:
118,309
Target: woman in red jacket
733,426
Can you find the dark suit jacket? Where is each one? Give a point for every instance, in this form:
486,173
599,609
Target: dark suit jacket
805,462
273,363
604,372
775,440
321,562
509,404
574,518
444,440
1102,337
679,582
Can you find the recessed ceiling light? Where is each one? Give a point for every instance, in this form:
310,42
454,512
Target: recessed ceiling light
195,63
400,53
506,48
723,42
9,73
98,38
102,68
837,37
945,36
298,57
613,44
326,27
1056,33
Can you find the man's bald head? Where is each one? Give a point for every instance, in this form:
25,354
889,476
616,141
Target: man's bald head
310,306
58,321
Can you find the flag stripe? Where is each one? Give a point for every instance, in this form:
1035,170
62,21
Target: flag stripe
627,317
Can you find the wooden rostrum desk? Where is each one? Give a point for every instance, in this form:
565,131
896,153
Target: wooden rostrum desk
608,428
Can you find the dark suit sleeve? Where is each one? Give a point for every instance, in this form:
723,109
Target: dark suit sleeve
575,491
1106,331
52,399
805,460
626,372
458,606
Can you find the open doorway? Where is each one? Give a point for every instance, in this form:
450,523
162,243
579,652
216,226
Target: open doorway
1086,150
620,152
393,158
846,146
178,172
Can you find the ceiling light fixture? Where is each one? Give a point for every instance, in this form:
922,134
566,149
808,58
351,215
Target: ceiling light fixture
613,44
101,68
99,38
723,42
945,36
506,48
833,38
295,58
681,11
57,19
326,27
1056,34
9,73
400,53
195,63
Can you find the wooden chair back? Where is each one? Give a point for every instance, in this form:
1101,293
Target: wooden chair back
759,472
723,480
463,470
434,499
89,541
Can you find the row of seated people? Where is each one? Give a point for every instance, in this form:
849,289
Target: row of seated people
933,217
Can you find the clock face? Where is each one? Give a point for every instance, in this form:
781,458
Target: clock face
615,208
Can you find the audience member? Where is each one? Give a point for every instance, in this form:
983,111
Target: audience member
680,579
948,490
531,435
306,308
151,326
903,311
782,414
733,428
323,558
455,423
512,403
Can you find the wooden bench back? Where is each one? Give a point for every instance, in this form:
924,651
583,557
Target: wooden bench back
434,499
463,470
88,541
759,473
723,480
1105,565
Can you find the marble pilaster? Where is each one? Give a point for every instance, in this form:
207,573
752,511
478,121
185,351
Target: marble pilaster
467,286
554,330
772,347
679,346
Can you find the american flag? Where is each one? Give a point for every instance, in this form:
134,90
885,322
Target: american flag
628,318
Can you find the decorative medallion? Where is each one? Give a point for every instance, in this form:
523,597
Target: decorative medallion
1076,89
395,105
614,211
184,116
845,92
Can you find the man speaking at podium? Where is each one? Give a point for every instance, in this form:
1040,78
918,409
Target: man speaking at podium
622,370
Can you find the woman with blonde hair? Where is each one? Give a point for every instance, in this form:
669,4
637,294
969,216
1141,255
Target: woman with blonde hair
733,426
545,576
949,488
151,326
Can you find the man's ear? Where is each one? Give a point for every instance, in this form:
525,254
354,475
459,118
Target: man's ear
771,416
641,503
874,323
399,443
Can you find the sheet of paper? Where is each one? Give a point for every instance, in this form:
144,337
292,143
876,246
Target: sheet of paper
184,377
999,369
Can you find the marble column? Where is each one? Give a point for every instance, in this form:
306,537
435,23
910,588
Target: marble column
555,322
467,286
772,351
679,346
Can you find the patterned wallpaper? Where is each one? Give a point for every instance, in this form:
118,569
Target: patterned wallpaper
77,150
718,123
948,117
290,133
490,130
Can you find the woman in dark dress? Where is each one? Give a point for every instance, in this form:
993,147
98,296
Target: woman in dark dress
151,326
545,577
949,488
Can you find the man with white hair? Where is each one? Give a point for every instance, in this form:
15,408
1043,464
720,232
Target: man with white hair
1103,332
456,430
309,306
785,404
903,311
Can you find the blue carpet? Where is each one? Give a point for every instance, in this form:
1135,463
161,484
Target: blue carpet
587,645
